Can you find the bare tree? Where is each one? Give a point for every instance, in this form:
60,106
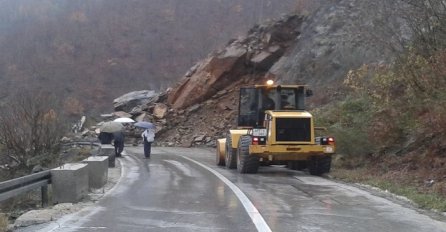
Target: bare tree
30,132
427,20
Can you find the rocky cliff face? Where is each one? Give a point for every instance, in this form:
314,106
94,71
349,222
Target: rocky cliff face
317,50
341,36
250,56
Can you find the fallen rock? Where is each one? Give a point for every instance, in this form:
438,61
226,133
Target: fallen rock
34,217
212,75
160,110
122,114
106,116
133,99
199,138
193,108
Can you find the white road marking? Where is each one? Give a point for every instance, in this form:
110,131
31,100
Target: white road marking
186,171
90,227
252,211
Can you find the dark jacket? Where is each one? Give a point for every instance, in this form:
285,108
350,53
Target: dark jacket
118,137
105,138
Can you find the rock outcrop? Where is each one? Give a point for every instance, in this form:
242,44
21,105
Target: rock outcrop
255,54
134,99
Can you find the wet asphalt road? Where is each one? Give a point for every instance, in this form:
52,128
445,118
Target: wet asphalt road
176,190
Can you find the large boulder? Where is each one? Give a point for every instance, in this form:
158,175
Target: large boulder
211,76
266,59
133,99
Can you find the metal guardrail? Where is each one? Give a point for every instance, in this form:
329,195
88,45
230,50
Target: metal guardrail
14,187
91,144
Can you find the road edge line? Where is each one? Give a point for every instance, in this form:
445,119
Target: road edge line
252,211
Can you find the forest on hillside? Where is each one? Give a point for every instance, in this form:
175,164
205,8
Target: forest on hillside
89,52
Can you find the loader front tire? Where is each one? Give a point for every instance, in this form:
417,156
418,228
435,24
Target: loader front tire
230,159
246,163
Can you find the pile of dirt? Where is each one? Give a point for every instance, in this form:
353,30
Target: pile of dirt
202,124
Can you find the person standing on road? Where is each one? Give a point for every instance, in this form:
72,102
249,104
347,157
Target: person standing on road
148,136
118,142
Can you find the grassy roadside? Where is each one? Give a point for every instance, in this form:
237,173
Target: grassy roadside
424,197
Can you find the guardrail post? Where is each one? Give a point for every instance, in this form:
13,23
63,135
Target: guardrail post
44,191
97,171
69,182
108,150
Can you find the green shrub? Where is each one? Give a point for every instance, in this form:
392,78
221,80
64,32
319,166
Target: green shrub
347,121
388,104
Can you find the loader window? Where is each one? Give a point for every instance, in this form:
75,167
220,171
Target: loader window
292,99
287,99
248,107
268,99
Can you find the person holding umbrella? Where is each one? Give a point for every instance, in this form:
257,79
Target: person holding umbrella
118,142
148,137
118,136
106,131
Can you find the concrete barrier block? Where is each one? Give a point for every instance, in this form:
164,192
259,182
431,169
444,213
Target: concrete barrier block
108,150
97,170
69,182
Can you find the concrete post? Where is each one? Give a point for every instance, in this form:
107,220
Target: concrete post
108,150
44,192
69,182
97,170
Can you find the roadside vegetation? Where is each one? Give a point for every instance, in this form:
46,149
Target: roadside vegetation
30,134
31,129
391,125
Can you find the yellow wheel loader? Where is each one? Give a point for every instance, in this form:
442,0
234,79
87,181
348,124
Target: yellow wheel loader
274,128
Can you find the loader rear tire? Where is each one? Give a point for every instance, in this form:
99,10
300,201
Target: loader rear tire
319,165
246,163
326,164
230,156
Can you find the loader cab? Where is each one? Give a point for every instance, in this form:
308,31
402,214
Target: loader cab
254,101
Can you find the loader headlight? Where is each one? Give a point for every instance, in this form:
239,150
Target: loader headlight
269,82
